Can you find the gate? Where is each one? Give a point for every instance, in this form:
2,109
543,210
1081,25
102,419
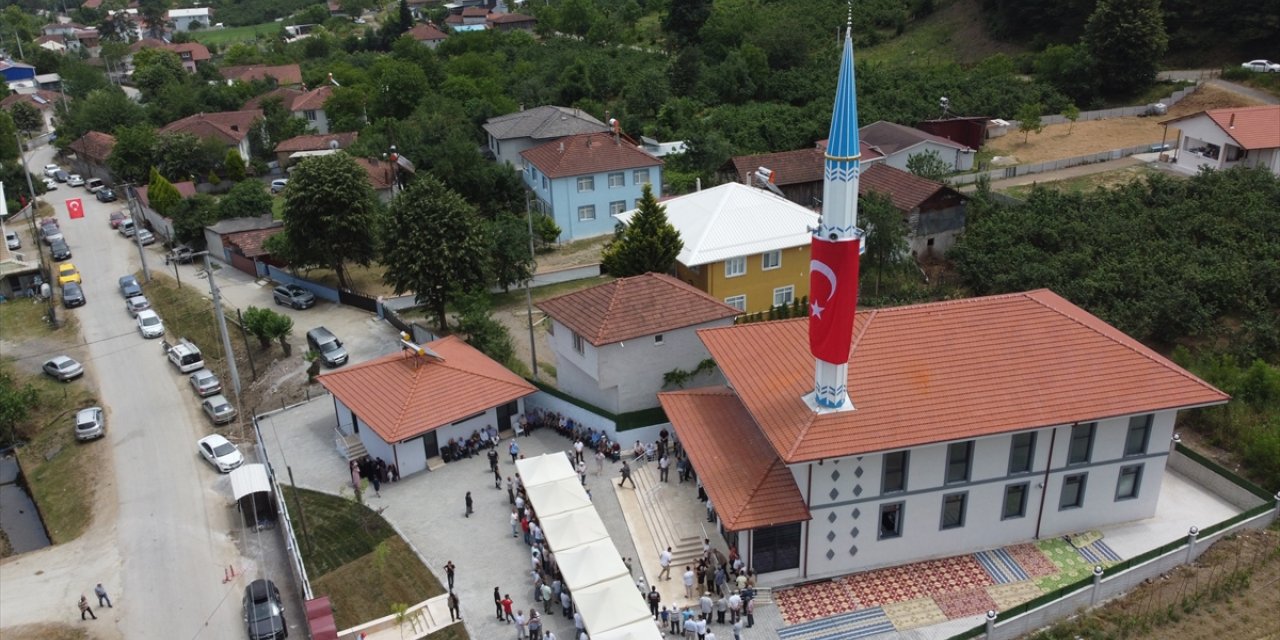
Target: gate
358,300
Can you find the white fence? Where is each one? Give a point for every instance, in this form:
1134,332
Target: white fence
1005,173
286,523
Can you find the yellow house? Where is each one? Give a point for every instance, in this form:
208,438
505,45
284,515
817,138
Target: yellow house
743,245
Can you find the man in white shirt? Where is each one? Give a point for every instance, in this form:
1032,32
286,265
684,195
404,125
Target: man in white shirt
664,560
688,583
577,451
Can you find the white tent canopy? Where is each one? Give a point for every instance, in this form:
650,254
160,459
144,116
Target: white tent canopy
558,497
611,604
250,478
639,630
545,468
570,529
591,563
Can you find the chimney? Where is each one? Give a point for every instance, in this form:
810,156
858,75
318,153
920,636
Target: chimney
1233,120
235,127
562,146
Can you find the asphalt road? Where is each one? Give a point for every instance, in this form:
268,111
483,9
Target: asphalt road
163,555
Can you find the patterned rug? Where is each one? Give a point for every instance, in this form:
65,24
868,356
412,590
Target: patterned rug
849,626
1031,560
1071,565
912,614
959,604
917,580
1008,596
813,601
1001,566
1098,552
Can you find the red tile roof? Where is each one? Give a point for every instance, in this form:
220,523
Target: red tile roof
950,370
401,396
748,483
629,308
788,167
509,18
906,190
94,146
250,242
380,173
453,19
317,142
473,12
284,74
314,99
228,126
50,99
1250,127
587,153
427,32
869,152
186,189
197,51
286,95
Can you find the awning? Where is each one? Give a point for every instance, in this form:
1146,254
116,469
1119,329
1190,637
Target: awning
610,605
557,497
250,478
568,530
545,468
591,563
639,630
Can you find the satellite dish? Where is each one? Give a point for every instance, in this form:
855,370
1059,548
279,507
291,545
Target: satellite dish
333,144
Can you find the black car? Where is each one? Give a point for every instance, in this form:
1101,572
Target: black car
61,176
264,612
59,250
72,295
105,195
294,296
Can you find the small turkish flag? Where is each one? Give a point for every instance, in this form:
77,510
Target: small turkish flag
75,208
833,298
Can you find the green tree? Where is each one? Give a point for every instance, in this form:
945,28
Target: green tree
190,216
1072,113
8,138
511,261
886,231
1028,118
1071,69
133,155
405,21
26,117
248,199
155,13
162,194
233,165
16,402
684,20
154,69
648,243
330,215
1127,39
545,231
103,110
435,245
487,335
928,165
182,156
257,323
280,327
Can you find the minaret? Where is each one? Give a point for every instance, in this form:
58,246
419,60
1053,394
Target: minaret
833,269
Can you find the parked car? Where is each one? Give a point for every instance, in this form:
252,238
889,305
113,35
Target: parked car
180,254
72,295
49,230
50,184
59,250
220,453
205,383
146,237
126,228
105,195
219,409
74,180
116,218
51,169
279,184
91,423
294,296
1262,66
323,342
61,176
94,185
67,272
63,368
264,611
129,286
136,304
12,240
149,324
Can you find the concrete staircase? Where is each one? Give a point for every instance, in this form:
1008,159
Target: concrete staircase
684,537
351,447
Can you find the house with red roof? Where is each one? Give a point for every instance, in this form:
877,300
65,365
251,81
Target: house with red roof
583,180
797,174
511,21
91,152
615,341
231,128
301,103
975,424
1229,137
404,407
312,144
934,212
162,225
190,53
382,177
284,75
45,101
428,34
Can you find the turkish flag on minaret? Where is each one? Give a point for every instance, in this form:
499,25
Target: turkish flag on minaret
75,208
833,298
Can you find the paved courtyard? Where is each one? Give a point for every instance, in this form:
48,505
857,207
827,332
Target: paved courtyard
936,598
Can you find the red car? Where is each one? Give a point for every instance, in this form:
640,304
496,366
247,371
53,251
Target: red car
116,218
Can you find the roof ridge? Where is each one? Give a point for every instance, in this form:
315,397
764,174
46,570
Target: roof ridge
763,477
813,416
608,311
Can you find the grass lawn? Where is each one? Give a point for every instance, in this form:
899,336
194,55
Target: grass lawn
46,631
58,469
188,314
515,297
367,280
1087,183
357,559
22,318
231,35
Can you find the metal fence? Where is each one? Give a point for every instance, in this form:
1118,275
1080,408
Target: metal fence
291,548
321,291
1005,173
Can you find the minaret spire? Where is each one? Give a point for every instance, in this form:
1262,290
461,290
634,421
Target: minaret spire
836,243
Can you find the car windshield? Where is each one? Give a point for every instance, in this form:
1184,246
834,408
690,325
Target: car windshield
65,365
221,408
263,610
224,449
330,347
151,321
88,423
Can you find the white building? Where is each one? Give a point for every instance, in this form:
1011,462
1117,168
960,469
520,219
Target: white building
976,423
1230,137
184,19
404,407
897,143
528,128
615,342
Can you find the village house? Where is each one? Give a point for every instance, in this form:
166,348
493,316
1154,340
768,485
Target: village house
615,342
191,54
307,105
91,153
295,149
428,34
382,178
238,241
231,128
797,174
1228,137
513,133
283,75
44,101
510,22
897,143
934,212
191,19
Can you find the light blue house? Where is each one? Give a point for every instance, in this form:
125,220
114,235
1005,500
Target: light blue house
581,181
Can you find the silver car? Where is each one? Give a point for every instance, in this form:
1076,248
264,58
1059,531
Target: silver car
75,180
219,409
63,368
91,423
205,382
146,237
136,304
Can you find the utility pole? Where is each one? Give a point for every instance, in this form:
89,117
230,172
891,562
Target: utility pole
134,210
528,293
35,237
222,325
